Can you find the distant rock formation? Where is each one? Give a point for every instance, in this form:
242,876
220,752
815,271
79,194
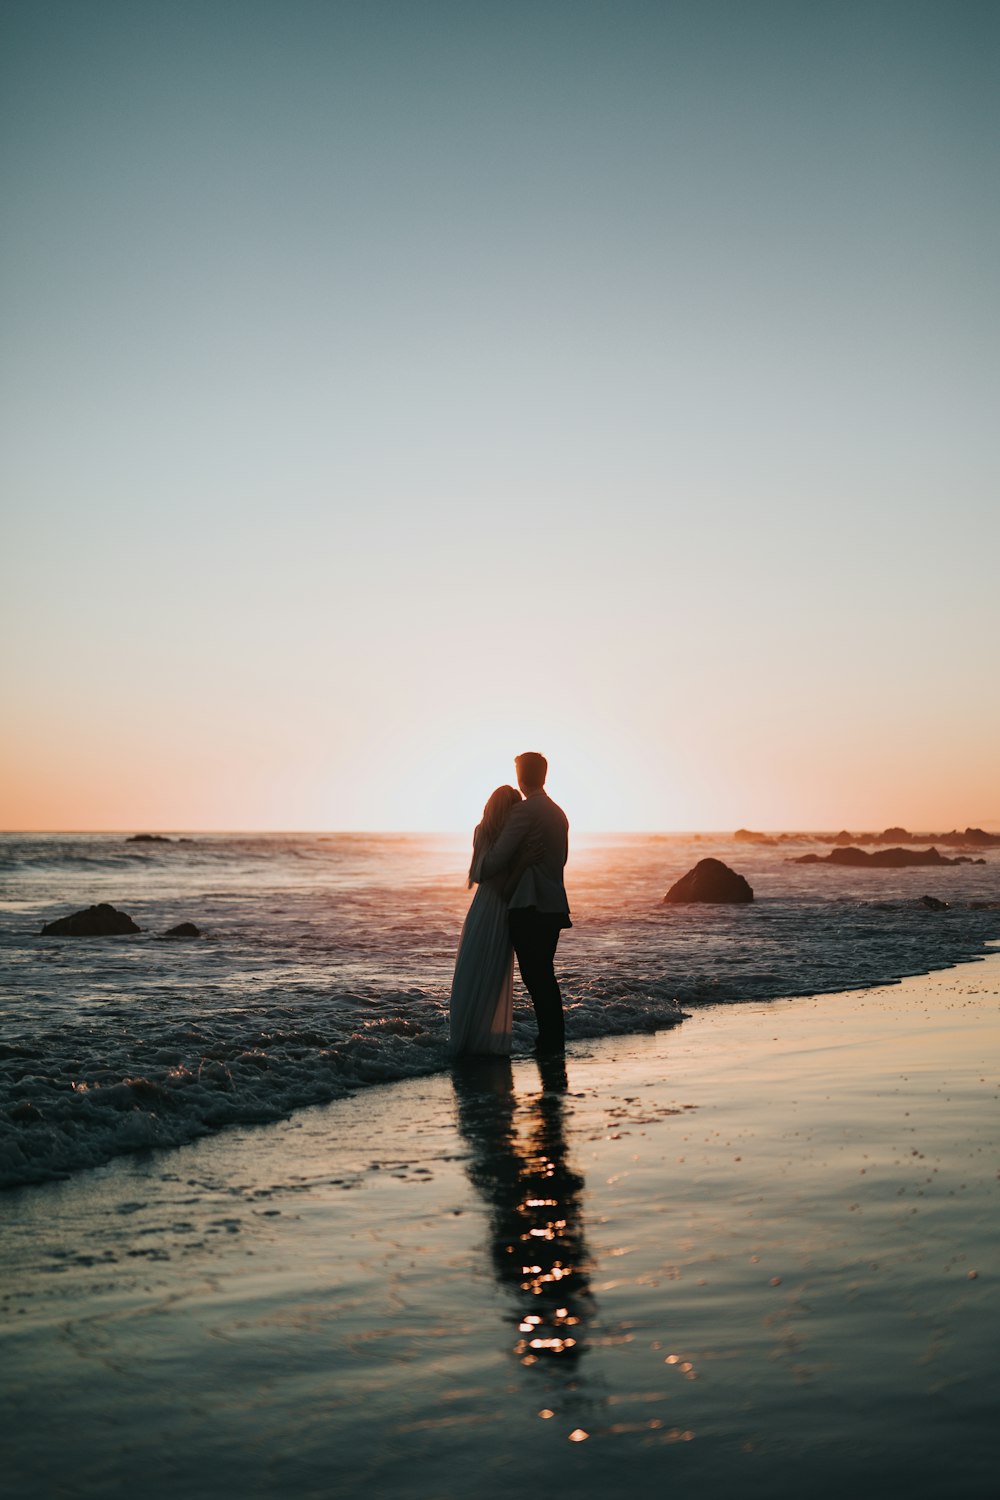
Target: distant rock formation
148,838
770,840
884,859
183,930
95,921
972,838
933,904
710,880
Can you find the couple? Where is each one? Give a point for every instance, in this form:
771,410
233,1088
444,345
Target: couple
518,855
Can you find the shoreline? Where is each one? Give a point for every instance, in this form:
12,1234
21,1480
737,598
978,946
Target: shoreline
263,1115
719,1215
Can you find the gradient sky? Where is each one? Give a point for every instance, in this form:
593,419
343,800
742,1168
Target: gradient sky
391,387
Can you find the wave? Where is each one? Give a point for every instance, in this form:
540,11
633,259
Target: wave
302,987
159,1086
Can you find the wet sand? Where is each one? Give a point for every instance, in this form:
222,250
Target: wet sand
755,1255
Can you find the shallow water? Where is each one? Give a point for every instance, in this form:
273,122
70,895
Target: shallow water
755,1255
326,961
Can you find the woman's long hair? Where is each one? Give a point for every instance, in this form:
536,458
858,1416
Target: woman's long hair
495,814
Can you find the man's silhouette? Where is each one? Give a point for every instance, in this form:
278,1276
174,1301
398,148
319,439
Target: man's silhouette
537,905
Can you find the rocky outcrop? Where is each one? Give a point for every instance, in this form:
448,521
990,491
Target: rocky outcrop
933,904
972,838
183,930
148,838
884,859
95,921
710,880
747,836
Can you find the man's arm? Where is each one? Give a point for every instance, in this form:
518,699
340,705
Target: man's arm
505,850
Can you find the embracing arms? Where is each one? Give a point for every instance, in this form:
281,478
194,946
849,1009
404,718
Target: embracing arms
518,846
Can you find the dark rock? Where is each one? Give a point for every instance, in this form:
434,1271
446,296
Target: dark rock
747,836
882,859
710,880
984,905
974,838
183,930
843,838
25,1112
148,838
95,921
933,904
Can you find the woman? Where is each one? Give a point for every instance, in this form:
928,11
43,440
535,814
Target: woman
482,992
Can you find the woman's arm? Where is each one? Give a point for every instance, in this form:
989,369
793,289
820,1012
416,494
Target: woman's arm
530,853
517,869
507,848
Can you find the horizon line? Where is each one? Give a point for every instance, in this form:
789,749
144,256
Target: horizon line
987,826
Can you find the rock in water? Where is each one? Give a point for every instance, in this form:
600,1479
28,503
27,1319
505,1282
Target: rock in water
933,904
710,880
883,859
94,921
182,930
148,838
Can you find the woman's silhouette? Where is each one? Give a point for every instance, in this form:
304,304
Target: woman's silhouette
482,991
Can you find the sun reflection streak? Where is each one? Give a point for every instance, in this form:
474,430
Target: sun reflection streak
519,1164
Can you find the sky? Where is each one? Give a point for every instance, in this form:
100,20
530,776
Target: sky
390,387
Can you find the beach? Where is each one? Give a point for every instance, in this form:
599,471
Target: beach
754,1253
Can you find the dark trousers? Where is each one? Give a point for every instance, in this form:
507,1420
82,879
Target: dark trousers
535,935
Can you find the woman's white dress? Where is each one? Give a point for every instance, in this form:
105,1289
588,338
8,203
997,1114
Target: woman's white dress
482,991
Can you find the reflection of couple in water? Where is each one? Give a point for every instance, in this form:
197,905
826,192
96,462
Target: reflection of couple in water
533,1195
520,907
534,1201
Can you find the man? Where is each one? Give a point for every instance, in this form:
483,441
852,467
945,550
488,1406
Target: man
536,830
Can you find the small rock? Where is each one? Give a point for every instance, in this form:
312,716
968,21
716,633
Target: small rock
710,880
94,921
933,904
183,930
25,1112
148,838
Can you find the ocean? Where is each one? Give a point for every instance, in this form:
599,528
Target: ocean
325,961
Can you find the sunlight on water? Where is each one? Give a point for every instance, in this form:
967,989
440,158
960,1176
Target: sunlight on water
325,964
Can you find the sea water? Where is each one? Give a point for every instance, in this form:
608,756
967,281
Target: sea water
324,966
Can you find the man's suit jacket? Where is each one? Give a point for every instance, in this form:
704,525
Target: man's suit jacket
541,885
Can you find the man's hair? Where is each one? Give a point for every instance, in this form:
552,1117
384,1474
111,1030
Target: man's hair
532,768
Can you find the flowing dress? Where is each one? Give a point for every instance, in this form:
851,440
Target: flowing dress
482,991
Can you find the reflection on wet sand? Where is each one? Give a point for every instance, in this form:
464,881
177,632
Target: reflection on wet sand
519,1165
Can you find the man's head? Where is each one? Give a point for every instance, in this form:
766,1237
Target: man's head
531,771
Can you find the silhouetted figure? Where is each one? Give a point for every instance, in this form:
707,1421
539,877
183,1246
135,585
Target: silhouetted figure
536,834
534,1198
482,990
